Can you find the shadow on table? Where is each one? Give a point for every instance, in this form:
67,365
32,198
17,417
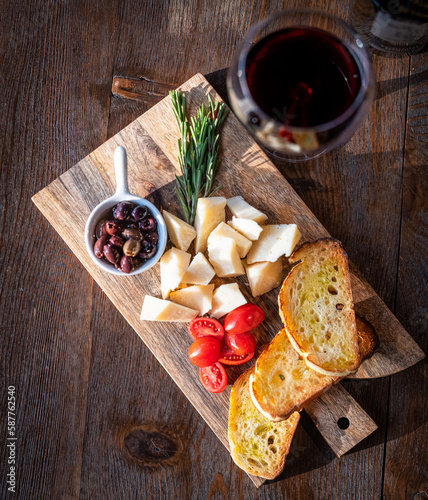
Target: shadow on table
386,87
308,451
218,80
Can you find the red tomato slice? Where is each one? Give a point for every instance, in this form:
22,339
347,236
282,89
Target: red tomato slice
243,318
228,357
240,343
213,377
204,351
204,327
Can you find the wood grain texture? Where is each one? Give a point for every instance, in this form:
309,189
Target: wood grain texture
50,94
406,448
151,144
191,53
64,342
343,424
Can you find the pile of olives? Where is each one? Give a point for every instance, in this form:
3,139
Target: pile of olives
126,236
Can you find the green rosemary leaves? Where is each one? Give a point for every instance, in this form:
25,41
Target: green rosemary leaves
197,151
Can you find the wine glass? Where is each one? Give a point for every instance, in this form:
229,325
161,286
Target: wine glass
301,83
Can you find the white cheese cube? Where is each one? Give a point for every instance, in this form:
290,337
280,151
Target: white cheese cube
180,233
243,244
209,213
264,276
197,297
200,271
249,228
240,208
225,299
173,265
224,257
163,310
274,241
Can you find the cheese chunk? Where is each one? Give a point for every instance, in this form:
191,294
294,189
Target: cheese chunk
243,244
241,209
264,276
247,227
200,271
273,242
173,265
225,299
224,257
180,233
209,213
163,310
197,297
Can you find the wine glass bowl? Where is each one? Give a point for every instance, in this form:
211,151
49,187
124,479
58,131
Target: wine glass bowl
301,83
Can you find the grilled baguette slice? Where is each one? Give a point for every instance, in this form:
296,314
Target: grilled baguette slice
257,445
317,309
283,383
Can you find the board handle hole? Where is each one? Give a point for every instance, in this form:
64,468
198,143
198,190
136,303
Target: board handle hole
343,423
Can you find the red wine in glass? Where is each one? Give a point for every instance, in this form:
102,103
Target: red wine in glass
301,82
303,77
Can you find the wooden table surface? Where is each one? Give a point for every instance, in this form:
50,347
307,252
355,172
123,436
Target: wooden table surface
97,417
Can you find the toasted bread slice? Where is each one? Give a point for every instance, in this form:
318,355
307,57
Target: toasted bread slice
257,445
317,309
283,383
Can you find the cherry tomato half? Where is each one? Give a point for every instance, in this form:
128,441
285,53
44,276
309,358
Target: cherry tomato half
228,357
204,327
240,343
204,351
243,318
213,377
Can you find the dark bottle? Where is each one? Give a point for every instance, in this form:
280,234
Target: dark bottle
399,26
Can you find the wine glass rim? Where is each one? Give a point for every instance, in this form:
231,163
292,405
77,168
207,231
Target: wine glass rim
365,67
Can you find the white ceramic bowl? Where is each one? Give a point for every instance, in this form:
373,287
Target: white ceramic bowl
122,194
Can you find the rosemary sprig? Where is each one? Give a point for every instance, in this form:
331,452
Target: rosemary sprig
197,151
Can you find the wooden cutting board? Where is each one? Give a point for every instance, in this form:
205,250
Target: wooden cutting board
151,144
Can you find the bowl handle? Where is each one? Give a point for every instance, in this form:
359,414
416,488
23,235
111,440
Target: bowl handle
121,171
